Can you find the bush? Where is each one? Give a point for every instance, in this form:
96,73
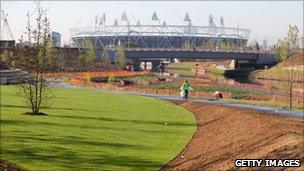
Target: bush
87,79
212,88
239,94
100,79
216,71
111,79
235,93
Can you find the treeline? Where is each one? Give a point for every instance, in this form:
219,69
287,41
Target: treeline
289,46
67,59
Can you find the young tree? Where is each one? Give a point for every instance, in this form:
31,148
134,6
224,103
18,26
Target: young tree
185,46
90,52
105,56
293,42
6,57
34,58
53,55
288,48
293,38
230,45
208,45
81,60
222,46
282,50
120,56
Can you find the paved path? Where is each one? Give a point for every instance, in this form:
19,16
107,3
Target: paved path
272,110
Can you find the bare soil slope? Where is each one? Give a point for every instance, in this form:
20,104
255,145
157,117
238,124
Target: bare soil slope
225,134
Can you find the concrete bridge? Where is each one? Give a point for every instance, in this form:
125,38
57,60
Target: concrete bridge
138,55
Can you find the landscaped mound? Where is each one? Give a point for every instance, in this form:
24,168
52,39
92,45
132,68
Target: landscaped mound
282,71
92,130
225,134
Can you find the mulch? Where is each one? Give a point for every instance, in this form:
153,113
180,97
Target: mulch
8,166
225,134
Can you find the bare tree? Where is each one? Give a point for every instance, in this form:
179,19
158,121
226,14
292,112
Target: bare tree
208,45
293,41
34,56
120,56
90,52
105,56
287,49
282,50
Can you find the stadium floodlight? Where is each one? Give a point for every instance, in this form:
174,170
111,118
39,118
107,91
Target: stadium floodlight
211,22
154,17
138,23
102,18
222,21
187,18
100,21
96,19
124,16
115,22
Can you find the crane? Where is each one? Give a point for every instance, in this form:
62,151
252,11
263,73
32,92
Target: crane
6,26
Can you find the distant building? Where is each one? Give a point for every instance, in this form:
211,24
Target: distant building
155,35
265,44
7,43
56,39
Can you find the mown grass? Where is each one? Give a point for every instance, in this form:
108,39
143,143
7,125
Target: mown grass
93,130
147,77
236,93
282,70
181,72
216,71
182,65
279,73
141,78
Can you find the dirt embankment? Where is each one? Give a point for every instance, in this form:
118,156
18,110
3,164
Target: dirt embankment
282,71
225,134
7,166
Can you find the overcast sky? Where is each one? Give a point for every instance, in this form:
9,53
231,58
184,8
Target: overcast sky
264,18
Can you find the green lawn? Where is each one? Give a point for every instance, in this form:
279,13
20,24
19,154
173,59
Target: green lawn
182,65
92,129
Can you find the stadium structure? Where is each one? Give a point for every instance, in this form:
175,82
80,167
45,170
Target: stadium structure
160,35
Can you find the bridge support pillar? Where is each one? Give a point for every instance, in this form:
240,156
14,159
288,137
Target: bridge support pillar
155,65
136,65
236,64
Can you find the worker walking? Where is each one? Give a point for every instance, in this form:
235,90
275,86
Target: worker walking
185,88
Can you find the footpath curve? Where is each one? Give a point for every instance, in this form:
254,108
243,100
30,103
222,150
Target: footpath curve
271,110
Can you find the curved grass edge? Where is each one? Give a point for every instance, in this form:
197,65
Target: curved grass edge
182,142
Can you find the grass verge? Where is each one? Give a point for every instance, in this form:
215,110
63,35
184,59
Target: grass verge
91,130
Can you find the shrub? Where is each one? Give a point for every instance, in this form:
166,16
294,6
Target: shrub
212,88
239,94
216,71
111,79
87,79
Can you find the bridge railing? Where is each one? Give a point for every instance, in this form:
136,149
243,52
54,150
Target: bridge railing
194,50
